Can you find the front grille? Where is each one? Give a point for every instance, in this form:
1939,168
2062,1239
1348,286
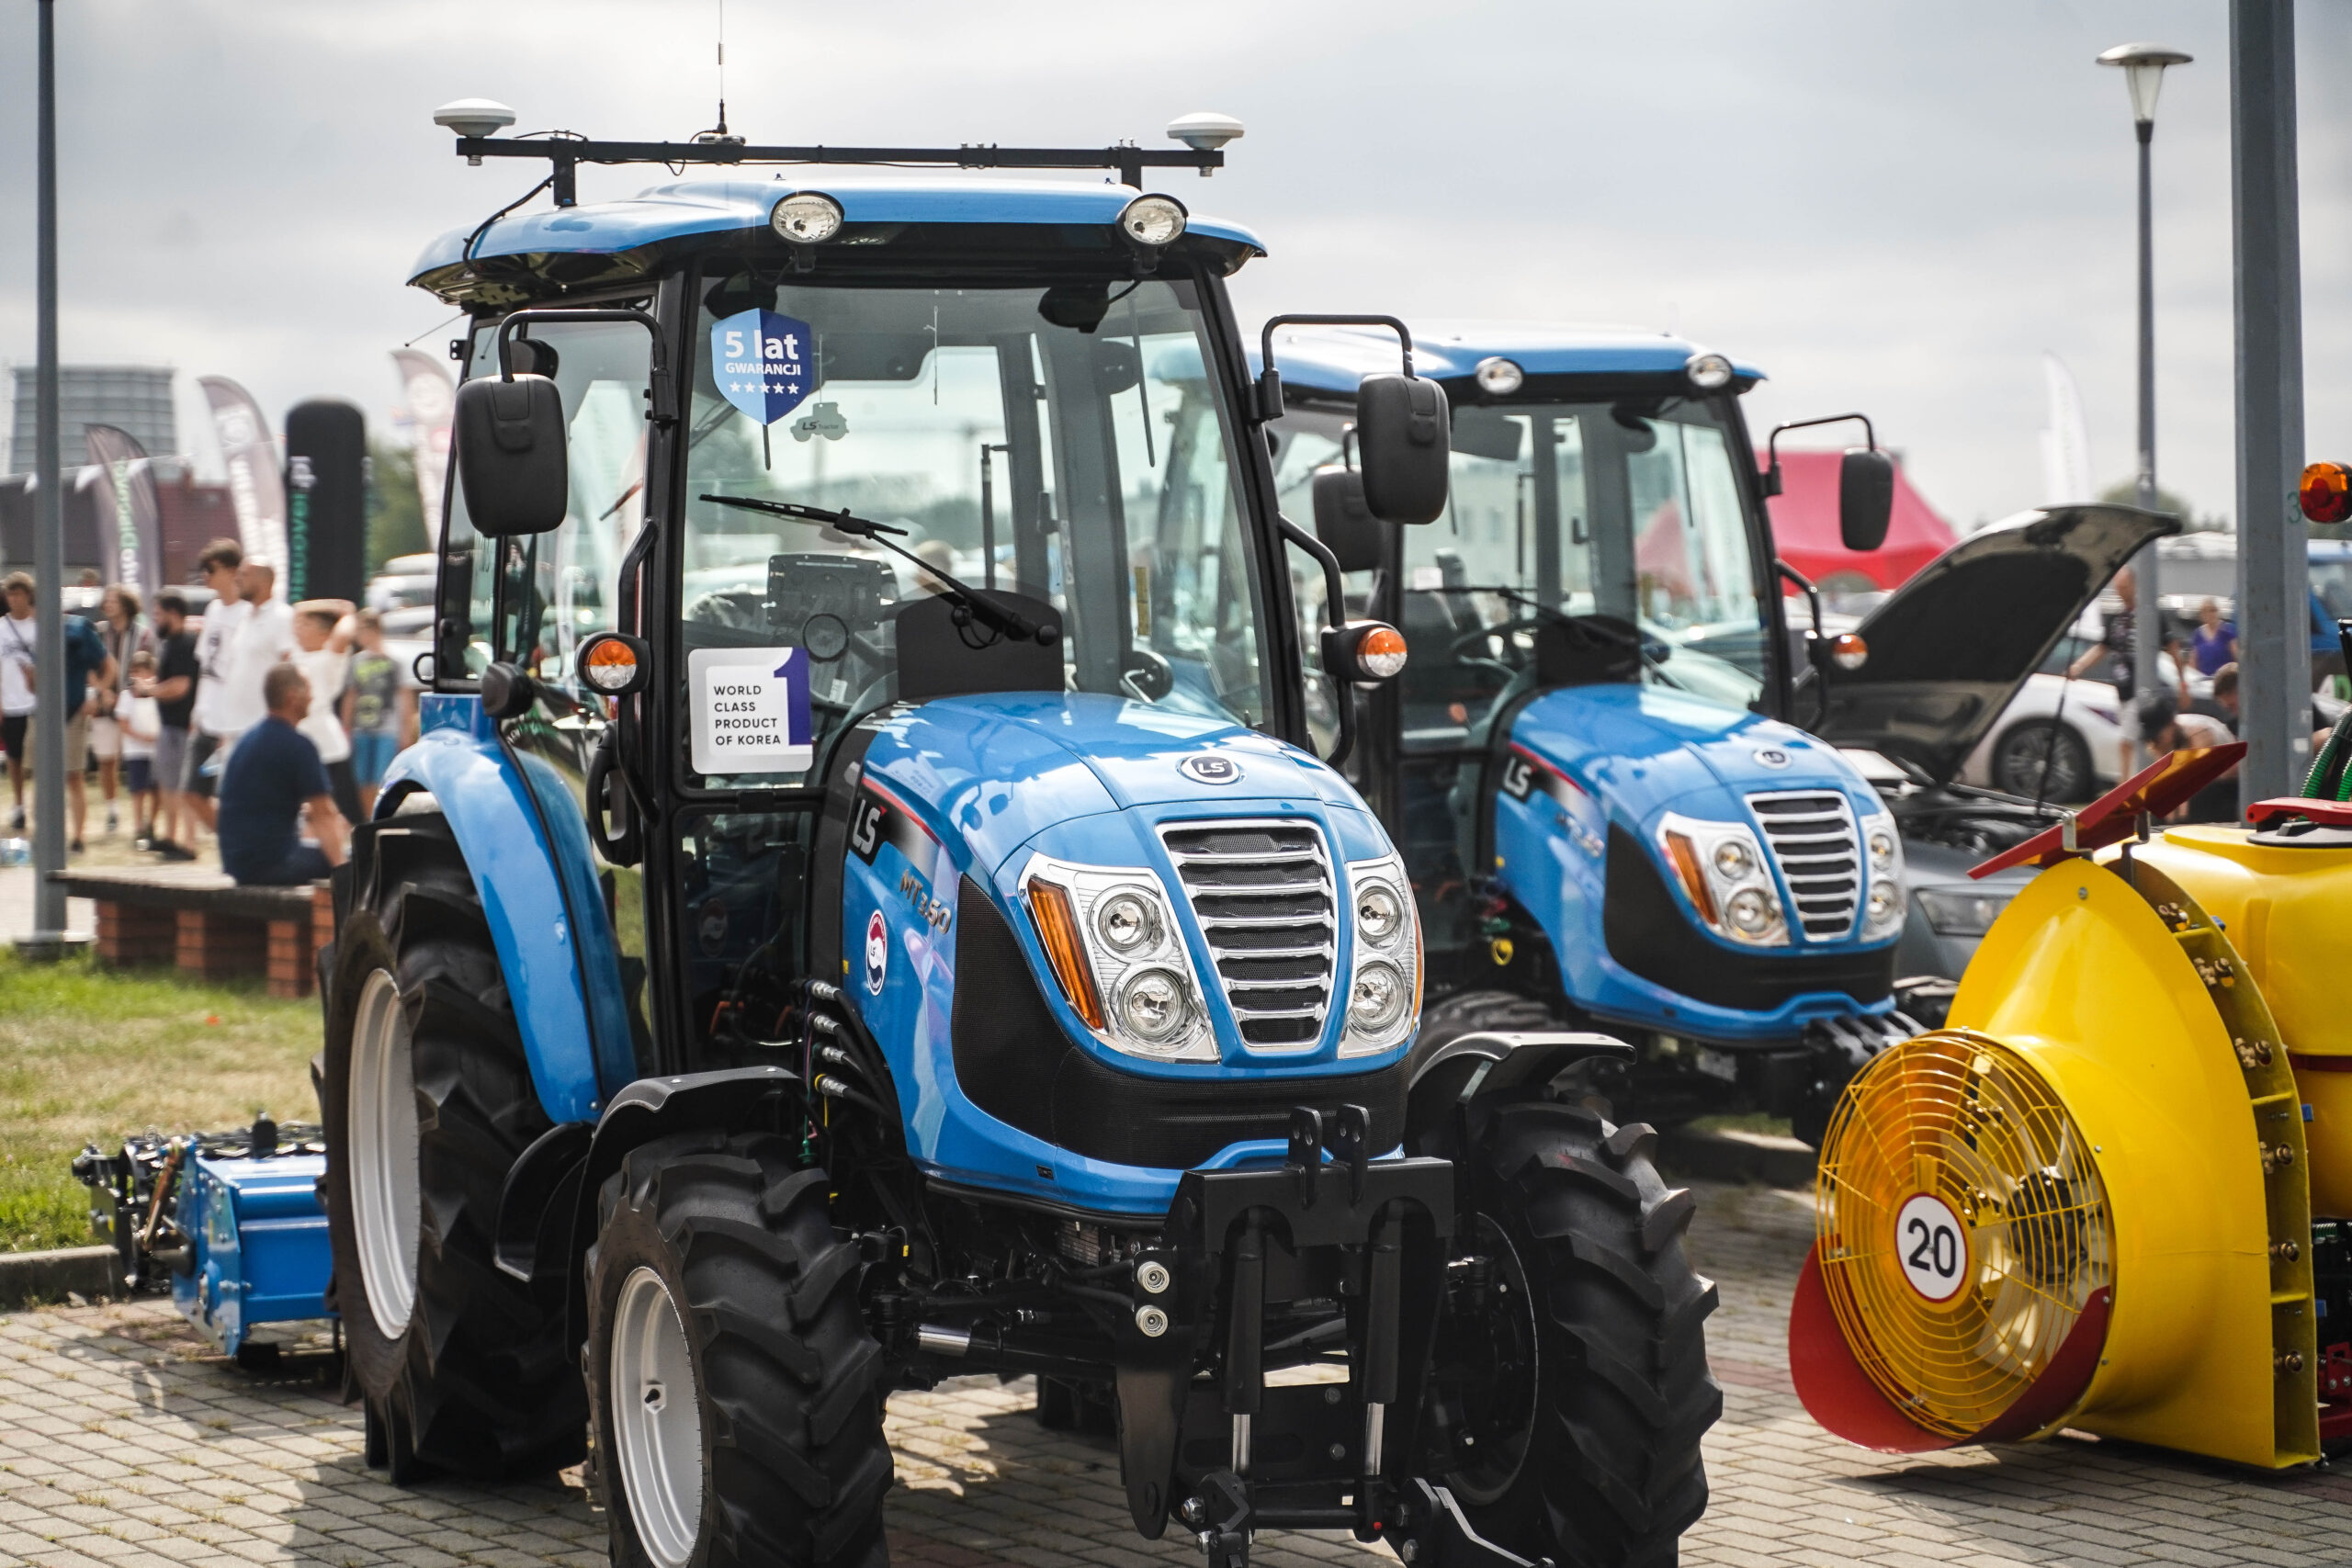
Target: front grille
1812,839
1263,894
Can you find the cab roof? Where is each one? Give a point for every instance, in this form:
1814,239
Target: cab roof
556,243
1333,359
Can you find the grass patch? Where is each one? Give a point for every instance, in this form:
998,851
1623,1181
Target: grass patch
89,1055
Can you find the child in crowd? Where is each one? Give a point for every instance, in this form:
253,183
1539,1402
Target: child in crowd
322,630
138,722
380,708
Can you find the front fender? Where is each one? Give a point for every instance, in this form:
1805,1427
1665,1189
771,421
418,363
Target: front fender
487,803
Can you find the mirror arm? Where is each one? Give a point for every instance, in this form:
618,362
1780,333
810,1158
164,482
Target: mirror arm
1267,406
1772,444
663,402
1335,610
1817,645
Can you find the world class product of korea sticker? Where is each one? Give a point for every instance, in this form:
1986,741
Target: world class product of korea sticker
750,709
764,363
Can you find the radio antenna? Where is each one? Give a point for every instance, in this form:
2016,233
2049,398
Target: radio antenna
723,67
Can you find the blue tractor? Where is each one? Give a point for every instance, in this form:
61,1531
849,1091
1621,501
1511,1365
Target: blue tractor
1628,796
867,908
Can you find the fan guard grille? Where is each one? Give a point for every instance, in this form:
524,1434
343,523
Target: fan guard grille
1973,1124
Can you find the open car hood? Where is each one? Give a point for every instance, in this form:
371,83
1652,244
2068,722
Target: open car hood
1950,648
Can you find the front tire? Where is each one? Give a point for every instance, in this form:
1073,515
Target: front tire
1571,1389
427,1098
735,1389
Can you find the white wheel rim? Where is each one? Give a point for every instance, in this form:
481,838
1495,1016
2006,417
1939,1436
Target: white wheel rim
657,1424
383,1153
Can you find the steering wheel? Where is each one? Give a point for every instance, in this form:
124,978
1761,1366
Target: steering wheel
1148,674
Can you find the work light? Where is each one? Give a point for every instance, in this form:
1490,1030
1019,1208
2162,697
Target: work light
1708,372
1153,221
806,218
1500,377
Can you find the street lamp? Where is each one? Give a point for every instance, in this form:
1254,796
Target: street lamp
2144,72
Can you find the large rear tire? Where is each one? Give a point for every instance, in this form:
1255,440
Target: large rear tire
736,1392
1572,1389
427,1098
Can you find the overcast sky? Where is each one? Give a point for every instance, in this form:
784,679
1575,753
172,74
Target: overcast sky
1895,208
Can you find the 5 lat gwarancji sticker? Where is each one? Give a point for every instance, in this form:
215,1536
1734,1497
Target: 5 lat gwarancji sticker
762,363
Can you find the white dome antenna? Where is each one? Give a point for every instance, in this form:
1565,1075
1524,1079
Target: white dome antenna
1204,133
474,117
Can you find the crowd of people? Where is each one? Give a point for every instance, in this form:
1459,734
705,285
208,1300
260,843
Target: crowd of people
265,725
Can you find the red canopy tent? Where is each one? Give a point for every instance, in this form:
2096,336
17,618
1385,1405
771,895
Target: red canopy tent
1804,526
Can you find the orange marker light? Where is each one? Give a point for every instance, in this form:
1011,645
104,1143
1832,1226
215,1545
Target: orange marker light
1382,652
1056,922
1849,651
610,664
2326,492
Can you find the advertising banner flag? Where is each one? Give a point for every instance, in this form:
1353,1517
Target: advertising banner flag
256,487
133,522
432,399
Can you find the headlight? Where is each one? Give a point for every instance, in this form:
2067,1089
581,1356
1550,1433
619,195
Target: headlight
1153,1005
1115,950
1378,998
1125,919
806,219
1722,867
1500,377
1385,991
1708,371
1882,904
1962,912
1153,221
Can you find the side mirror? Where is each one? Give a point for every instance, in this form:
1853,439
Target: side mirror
1865,498
1404,442
1343,522
511,460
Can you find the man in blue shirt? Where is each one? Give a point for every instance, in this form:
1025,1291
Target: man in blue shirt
273,779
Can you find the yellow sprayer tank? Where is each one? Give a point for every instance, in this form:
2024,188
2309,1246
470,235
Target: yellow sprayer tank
2086,1201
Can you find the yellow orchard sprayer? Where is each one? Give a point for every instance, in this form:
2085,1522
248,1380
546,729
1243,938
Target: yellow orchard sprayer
2114,1193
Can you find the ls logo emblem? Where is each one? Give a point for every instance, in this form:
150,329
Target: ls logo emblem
877,953
1209,768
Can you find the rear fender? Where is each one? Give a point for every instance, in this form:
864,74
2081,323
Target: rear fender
1491,1068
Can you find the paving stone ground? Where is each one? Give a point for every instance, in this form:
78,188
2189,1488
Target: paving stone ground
122,1443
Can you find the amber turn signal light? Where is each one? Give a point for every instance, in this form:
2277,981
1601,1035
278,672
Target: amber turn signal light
1849,651
2326,492
1685,856
1056,922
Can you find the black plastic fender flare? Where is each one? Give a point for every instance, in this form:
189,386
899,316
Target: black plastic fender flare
547,1212
1478,1066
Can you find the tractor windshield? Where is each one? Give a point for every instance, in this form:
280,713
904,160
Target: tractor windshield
1067,443
1635,514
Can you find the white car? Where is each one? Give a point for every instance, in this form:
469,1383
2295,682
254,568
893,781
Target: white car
2071,727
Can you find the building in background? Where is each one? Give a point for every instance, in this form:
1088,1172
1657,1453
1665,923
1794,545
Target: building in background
133,397
192,513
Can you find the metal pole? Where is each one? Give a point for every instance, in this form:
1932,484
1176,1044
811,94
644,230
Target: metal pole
2148,622
2274,566
48,526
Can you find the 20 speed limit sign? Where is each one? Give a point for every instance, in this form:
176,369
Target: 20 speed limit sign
1932,1246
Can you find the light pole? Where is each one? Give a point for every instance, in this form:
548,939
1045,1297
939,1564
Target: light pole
48,524
2144,72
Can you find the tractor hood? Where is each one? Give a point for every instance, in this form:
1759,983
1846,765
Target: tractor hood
999,770
1646,750
1950,648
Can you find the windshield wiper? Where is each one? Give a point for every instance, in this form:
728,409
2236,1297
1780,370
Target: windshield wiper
981,606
